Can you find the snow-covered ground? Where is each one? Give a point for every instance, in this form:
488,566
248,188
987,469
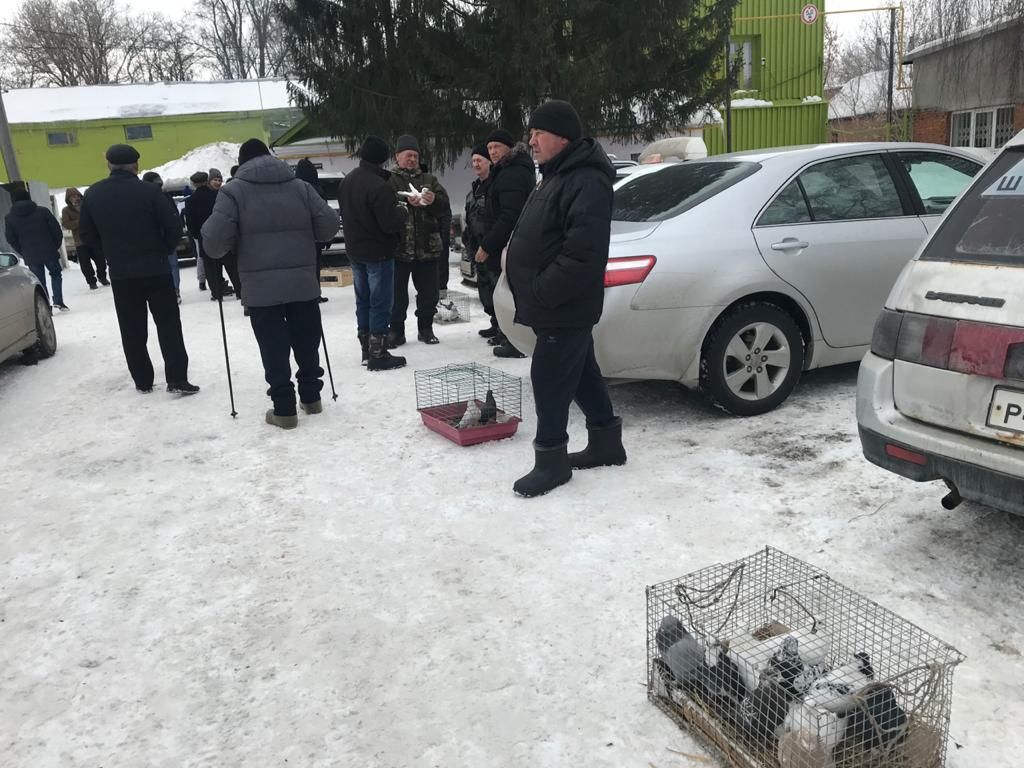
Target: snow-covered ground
183,589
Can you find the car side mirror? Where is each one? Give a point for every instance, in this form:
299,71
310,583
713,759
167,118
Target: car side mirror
8,260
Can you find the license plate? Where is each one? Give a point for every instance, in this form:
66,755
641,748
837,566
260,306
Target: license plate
1007,410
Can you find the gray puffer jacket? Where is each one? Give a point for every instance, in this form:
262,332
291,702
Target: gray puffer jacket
272,221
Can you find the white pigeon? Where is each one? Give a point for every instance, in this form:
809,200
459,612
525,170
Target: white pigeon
472,415
836,690
814,726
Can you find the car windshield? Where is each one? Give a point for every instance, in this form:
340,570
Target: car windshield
988,225
669,192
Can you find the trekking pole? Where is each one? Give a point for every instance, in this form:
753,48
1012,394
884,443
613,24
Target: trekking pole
227,360
327,359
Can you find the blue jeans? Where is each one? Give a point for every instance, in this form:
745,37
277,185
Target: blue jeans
53,267
375,293
175,270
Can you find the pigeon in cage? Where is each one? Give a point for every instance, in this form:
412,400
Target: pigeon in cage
447,312
489,410
685,657
764,711
834,690
814,726
877,719
472,415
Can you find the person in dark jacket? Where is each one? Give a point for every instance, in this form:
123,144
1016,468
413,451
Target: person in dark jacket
473,227
152,177
92,264
513,178
272,222
306,171
198,208
374,221
35,234
135,226
421,242
555,266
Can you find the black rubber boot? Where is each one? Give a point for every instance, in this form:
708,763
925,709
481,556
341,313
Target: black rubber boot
426,335
604,448
550,470
364,343
506,349
395,338
380,358
491,330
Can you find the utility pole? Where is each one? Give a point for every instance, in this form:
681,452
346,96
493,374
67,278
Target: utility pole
7,146
728,96
892,66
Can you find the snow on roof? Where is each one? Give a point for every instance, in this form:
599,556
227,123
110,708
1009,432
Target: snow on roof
751,103
142,100
868,95
220,155
960,37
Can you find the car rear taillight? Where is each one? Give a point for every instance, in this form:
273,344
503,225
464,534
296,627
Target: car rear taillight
983,349
887,332
1014,368
926,340
628,270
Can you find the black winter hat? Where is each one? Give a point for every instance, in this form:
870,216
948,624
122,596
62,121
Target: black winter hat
253,148
481,149
374,150
152,176
306,171
406,141
557,117
122,154
503,136
199,177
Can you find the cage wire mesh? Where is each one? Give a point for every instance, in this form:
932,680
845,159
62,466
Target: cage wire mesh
779,666
453,307
468,395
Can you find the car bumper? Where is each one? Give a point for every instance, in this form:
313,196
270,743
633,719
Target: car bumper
981,470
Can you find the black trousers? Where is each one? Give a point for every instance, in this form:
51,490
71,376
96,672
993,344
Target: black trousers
281,331
131,298
87,257
486,281
424,277
215,275
565,370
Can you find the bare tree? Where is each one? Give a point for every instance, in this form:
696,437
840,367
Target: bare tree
241,38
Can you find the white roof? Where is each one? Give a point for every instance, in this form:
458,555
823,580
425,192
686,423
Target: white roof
868,95
98,102
1016,141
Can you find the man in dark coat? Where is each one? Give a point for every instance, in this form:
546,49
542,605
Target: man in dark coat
374,222
306,171
93,264
556,264
35,234
513,177
272,221
474,227
421,242
135,226
198,208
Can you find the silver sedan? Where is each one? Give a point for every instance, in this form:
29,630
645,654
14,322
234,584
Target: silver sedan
736,273
26,322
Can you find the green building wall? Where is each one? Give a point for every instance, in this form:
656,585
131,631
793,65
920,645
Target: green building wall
82,162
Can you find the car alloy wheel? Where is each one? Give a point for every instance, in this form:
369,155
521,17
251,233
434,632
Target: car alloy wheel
46,344
756,361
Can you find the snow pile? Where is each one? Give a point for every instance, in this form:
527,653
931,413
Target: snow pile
745,103
221,155
812,99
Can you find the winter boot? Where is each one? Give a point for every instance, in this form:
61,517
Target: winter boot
284,422
550,470
364,342
507,350
380,358
395,338
202,286
497,339
426,335
312,408
93,287
182,388
604,448
490,331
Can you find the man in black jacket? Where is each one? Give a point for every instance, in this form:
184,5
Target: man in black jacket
374,221
474,227
198,208
34,233
556,263
513,178
136,226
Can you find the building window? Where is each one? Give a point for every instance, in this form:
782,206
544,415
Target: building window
984,128
60,138
742,53
138,132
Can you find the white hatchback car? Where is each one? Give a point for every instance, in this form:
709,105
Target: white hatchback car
941,393
736,273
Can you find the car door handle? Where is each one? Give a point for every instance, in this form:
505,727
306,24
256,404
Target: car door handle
790,244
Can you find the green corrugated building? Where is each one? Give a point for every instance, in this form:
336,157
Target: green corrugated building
778,66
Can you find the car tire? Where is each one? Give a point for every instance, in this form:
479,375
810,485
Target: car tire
752,359
46,334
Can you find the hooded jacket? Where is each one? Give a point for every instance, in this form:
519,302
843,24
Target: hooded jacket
198,208
374,220
71,216
559,250
33,232
421,240
132,224
272,222
512,180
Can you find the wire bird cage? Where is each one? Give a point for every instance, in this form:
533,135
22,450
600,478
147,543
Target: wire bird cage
453,307
469,403
776,665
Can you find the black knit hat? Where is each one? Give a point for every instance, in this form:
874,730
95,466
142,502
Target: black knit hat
152,176
557,117
251,149
503,136
481,149
199,177
122,154
406,141
374,150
